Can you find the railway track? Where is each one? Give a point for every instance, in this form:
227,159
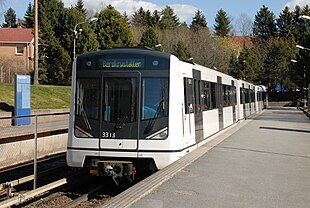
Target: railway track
83,199
77,190
23,195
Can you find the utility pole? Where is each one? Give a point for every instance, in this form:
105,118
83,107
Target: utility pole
36,49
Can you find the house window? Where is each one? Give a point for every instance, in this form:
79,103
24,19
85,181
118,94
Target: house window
19,50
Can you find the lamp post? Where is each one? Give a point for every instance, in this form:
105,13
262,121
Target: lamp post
305,17
75,33
303,48
244,61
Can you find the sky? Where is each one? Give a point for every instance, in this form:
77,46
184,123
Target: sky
185,9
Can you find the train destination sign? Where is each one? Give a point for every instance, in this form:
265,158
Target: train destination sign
123,63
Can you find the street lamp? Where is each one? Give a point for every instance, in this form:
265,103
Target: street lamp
244,61
75,32
303,48
304,70
305,17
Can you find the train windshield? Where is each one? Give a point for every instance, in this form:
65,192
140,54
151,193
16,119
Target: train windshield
155,98
87,107
120,100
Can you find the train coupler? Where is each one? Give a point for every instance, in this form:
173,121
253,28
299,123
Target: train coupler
115,169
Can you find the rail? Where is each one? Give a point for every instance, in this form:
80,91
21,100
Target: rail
41,125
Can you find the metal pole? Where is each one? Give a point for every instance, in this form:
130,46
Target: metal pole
74,39
36,49
35,153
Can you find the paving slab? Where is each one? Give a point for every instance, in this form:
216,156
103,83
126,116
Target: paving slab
266,163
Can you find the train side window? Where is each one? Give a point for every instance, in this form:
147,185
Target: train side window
233,95
188,98
155,98
206,96
226,93
242,95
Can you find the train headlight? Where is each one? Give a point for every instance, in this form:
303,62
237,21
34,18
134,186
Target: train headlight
109,169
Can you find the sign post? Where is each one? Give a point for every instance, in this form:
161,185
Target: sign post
22,99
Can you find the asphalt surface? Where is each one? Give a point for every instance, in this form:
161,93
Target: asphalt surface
266,163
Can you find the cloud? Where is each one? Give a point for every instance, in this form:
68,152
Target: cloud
292,4
184,11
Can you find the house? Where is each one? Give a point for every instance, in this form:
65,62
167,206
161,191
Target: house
16,49
243,41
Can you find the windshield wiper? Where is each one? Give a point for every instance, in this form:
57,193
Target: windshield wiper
151,122
121,122
81,106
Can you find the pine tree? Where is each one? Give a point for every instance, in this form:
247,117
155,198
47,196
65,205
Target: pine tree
264,25
285,23
112,29
276,66
55,60
222,26
149,38
138,18
10,19
199,21
80,7
169,19
180,50
86,39
29,17
125,15
246,66
156,18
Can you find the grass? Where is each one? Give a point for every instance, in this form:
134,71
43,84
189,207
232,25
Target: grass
42,96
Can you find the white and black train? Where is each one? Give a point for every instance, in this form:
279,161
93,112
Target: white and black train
135,108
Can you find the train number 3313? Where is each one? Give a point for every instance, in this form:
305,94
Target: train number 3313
106,134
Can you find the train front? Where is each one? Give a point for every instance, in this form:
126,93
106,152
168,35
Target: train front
120,98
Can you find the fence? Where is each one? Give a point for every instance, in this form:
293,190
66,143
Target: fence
46,135
8,71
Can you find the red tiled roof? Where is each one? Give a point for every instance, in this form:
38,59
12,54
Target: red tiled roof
23,35
243,41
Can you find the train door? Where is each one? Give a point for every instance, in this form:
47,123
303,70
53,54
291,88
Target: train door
220,100
197,106
188,110
120,110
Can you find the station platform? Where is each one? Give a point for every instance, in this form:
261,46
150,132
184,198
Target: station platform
262,162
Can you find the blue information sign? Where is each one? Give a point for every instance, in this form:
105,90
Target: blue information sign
22,99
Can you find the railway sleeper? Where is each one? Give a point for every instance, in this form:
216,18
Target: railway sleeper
118,170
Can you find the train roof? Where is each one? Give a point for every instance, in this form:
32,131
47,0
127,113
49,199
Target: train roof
128,50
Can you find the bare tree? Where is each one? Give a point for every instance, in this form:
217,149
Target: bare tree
244,25
2,3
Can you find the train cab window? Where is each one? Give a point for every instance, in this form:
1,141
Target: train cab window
120,99
154,98
88,97
87,107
